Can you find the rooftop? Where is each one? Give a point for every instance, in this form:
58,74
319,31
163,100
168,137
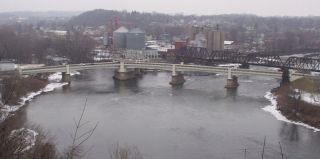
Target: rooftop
136,31
121,30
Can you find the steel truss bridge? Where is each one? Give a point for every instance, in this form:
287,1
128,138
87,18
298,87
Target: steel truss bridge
268,59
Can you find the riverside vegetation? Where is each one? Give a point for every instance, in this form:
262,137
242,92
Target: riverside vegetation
290,103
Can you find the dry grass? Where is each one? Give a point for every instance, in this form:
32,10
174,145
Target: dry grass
125,152
306,84
296,109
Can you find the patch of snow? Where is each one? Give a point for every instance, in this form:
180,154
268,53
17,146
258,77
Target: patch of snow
274,68
51,86
98,59
230,65
315,73
277,114
29,138
56,77
297,55
310,98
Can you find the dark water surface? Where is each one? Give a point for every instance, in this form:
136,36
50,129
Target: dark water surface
199,121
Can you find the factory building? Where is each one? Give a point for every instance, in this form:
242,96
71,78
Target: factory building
119,37
207,37
135,39
125,39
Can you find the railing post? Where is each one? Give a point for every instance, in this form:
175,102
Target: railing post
19,69
67,69
174,72
122,67
229,73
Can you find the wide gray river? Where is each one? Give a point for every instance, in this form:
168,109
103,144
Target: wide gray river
199,121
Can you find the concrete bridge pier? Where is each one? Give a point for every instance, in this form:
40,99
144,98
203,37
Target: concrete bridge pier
122,74
177,78
285,80
244,66
138,72
66,77
232,81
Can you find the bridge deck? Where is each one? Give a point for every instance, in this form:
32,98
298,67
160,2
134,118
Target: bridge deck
156,66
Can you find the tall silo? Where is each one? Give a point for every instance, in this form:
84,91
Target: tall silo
119,37
136,39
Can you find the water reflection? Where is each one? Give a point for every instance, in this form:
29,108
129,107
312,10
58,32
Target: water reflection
66,88
232,93
177,87
123,87
289,132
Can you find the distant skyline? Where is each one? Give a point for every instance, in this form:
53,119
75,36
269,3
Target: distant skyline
198,7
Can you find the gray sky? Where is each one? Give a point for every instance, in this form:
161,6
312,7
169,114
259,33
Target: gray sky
259,7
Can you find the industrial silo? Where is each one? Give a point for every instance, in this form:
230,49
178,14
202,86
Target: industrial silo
119,37
136,39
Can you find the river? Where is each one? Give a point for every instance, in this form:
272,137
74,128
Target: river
201,120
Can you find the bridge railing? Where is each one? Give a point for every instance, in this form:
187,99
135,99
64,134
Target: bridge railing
158,66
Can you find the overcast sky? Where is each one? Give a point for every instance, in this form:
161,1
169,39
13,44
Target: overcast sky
259,7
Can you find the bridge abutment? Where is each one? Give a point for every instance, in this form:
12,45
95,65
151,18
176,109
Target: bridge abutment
66,77
122,74
177,78
285,77
232,81
244,66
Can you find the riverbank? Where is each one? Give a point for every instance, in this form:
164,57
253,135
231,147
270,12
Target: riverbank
16,140
22,90
296,103
25,89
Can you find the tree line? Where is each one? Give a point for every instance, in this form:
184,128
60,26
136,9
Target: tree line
273,33
24,43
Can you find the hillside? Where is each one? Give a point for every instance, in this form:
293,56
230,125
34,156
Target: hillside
283,32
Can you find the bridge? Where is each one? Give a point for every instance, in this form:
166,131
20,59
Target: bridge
125,71
268,59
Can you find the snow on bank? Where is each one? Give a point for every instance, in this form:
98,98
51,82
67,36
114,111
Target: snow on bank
54,79
57,77
311,98
230,65
277,114
28,138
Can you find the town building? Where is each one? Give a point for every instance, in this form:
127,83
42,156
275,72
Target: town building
129,39
207,37
135,39
119,37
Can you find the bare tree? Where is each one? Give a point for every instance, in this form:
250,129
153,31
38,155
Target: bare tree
79,137
126,152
